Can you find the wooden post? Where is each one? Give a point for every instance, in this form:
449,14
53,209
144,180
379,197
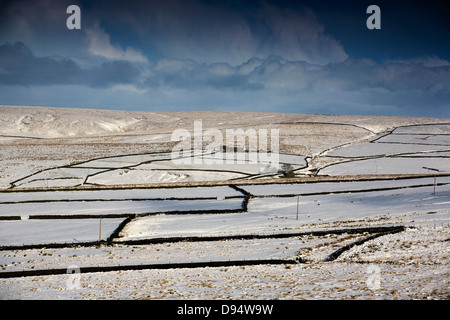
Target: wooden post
434,187
100,231
297,205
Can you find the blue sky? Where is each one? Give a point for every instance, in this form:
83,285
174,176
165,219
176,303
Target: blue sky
277,56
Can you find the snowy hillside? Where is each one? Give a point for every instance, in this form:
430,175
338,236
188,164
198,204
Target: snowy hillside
42,147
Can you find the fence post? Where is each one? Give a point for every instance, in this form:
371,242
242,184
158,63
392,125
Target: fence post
434,188
298,196
100,231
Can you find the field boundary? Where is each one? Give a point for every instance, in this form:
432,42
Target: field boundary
133,267
378,229
243,182
214,264
110,240
333,256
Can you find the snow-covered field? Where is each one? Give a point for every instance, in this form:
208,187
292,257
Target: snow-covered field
28,232
76,177
274,215
402,266
111,208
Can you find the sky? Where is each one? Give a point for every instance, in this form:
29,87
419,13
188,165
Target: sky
316,57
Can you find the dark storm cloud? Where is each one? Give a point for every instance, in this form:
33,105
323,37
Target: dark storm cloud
355,86
110,73
19,66
292,56
187,74
224,31
203,31
355,74
352,86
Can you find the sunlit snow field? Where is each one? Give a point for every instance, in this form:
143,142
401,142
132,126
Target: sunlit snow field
95,190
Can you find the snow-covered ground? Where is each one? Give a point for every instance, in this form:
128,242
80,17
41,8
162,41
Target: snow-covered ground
406,165
154,168
28,232
42,148
121,194
340,186
406,150
408,267
274,215
99,208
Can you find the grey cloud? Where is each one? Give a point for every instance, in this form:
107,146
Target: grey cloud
360,86
189,75
356,74
353,86
227,31
100,45
41,24
114,72
19,66
297,35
